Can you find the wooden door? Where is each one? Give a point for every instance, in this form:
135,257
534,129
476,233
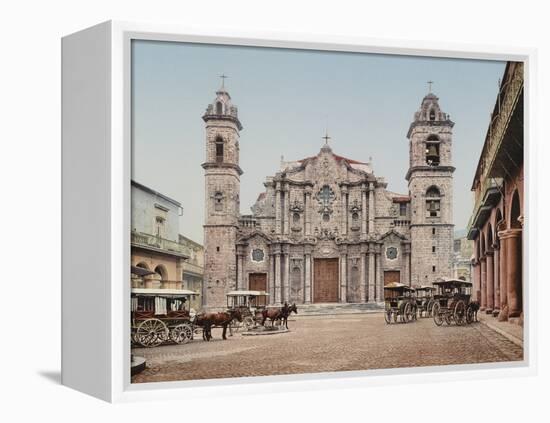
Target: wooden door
391,276
258,282
325,289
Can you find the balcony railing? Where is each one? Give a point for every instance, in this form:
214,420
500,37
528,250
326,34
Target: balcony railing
489,186
401,223
142,239
247,221
507,101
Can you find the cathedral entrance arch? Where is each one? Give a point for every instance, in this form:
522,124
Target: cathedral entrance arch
325,280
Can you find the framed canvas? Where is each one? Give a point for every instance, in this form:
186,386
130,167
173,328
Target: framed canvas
263,212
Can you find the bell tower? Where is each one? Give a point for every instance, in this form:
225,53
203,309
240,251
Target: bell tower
430,179
222,189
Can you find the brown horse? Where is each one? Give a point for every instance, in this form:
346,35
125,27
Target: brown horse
286,313
221,319
279,313
272,313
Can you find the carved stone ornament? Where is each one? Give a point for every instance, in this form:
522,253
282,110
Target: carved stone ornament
258,255
297,206
355,207
391,253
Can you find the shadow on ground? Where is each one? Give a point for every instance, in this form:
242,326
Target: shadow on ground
53,376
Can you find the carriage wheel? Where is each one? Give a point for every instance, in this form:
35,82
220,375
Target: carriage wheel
448,317
234,326
395,315
151,333
438,318
181,334
429,308
459,313
387,316
407,313
248,322
469,315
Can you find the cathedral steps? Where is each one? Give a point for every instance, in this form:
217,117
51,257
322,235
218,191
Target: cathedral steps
338,308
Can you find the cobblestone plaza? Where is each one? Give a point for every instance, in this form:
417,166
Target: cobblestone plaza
326,344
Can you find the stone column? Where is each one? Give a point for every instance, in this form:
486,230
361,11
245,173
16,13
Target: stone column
482,264
345,212
343,276
179,273
371,208
286,276
271,279
363,275
477,280
240,265
286,210
378,277
496,277
307,212
503,315
490,281
512,239
363,211
278,208
406,248
307,278
371,257
277,278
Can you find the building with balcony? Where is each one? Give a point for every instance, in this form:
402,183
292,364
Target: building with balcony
496,224
155,239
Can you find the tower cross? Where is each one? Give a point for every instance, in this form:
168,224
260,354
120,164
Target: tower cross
223,77
430,86
326,138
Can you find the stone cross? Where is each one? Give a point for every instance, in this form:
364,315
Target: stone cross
430,86
223,77
326,138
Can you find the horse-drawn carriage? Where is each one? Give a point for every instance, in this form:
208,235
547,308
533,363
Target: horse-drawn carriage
452,302
160,315
425,300
400,303
250,304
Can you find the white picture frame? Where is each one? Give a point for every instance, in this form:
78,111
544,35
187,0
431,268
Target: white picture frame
96,226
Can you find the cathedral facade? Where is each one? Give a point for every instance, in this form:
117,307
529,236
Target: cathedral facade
326,229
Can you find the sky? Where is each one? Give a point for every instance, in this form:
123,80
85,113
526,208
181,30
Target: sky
287,99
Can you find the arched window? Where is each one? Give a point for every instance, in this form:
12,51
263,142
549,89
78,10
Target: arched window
515,211
161,271
219,108
432,114
432,192
219,150
489,237
218,201
432,151
433,202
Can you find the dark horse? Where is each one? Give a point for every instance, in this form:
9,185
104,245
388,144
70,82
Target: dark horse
221,319
474,305
278,313
289,309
